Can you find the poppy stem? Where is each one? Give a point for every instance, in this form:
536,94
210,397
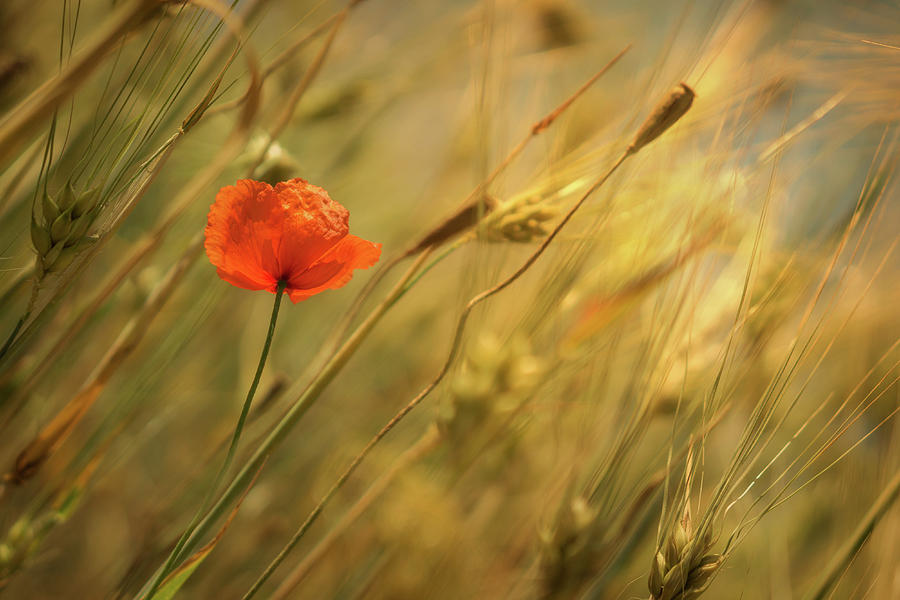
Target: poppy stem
307,398
245,410
178,551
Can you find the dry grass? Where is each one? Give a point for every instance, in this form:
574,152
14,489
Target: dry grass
624,341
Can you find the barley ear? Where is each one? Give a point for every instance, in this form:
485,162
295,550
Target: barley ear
60,234
666,114
462,220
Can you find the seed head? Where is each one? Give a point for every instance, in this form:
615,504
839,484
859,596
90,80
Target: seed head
495,380
61,230
520,221
666,114
462,220
684,567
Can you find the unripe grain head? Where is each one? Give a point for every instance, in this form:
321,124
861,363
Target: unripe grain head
666,114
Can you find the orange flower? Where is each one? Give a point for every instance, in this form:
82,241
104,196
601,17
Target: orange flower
258,236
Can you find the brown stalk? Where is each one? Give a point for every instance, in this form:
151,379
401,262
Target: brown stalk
663,117
428,442
472,209
57,430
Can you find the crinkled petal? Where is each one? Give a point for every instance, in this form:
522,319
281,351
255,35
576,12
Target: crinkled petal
257,235
239,235
334,268
311,224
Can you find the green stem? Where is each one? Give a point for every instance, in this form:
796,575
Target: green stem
12,336
290,419
848,551
181,548
454,349
428,442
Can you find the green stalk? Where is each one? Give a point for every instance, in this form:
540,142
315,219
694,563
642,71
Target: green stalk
848,551
181,548
18,127
309,396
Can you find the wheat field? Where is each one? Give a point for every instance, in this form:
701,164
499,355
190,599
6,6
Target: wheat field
616,314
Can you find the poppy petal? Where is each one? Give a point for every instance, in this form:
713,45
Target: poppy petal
236,232
311,224
334,268
257,235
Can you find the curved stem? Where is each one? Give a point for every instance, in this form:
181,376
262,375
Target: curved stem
178,551
428,442
824,586
454,349
307,398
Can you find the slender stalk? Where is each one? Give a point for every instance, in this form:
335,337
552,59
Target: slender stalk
842,557
21,123
311,72
460,327
470,207
177,552
666,114
52,435
290,419
428,442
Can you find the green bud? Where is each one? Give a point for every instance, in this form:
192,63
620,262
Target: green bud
708,538
672,551
50,257
67,197
701,576
678,539
80,226
49,209
59,229
85,202
40,238
681,536
65,258
674,581
657,572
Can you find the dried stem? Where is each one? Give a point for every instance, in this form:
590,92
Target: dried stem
299,408
470,210
428,442
851,547
659,121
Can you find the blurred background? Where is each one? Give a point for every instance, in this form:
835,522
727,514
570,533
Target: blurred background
714,334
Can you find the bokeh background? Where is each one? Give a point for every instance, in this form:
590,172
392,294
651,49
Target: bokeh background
746,256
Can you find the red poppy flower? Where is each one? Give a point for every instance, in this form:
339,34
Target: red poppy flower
257,236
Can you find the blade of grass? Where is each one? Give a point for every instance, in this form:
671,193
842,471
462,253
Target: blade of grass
28,116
